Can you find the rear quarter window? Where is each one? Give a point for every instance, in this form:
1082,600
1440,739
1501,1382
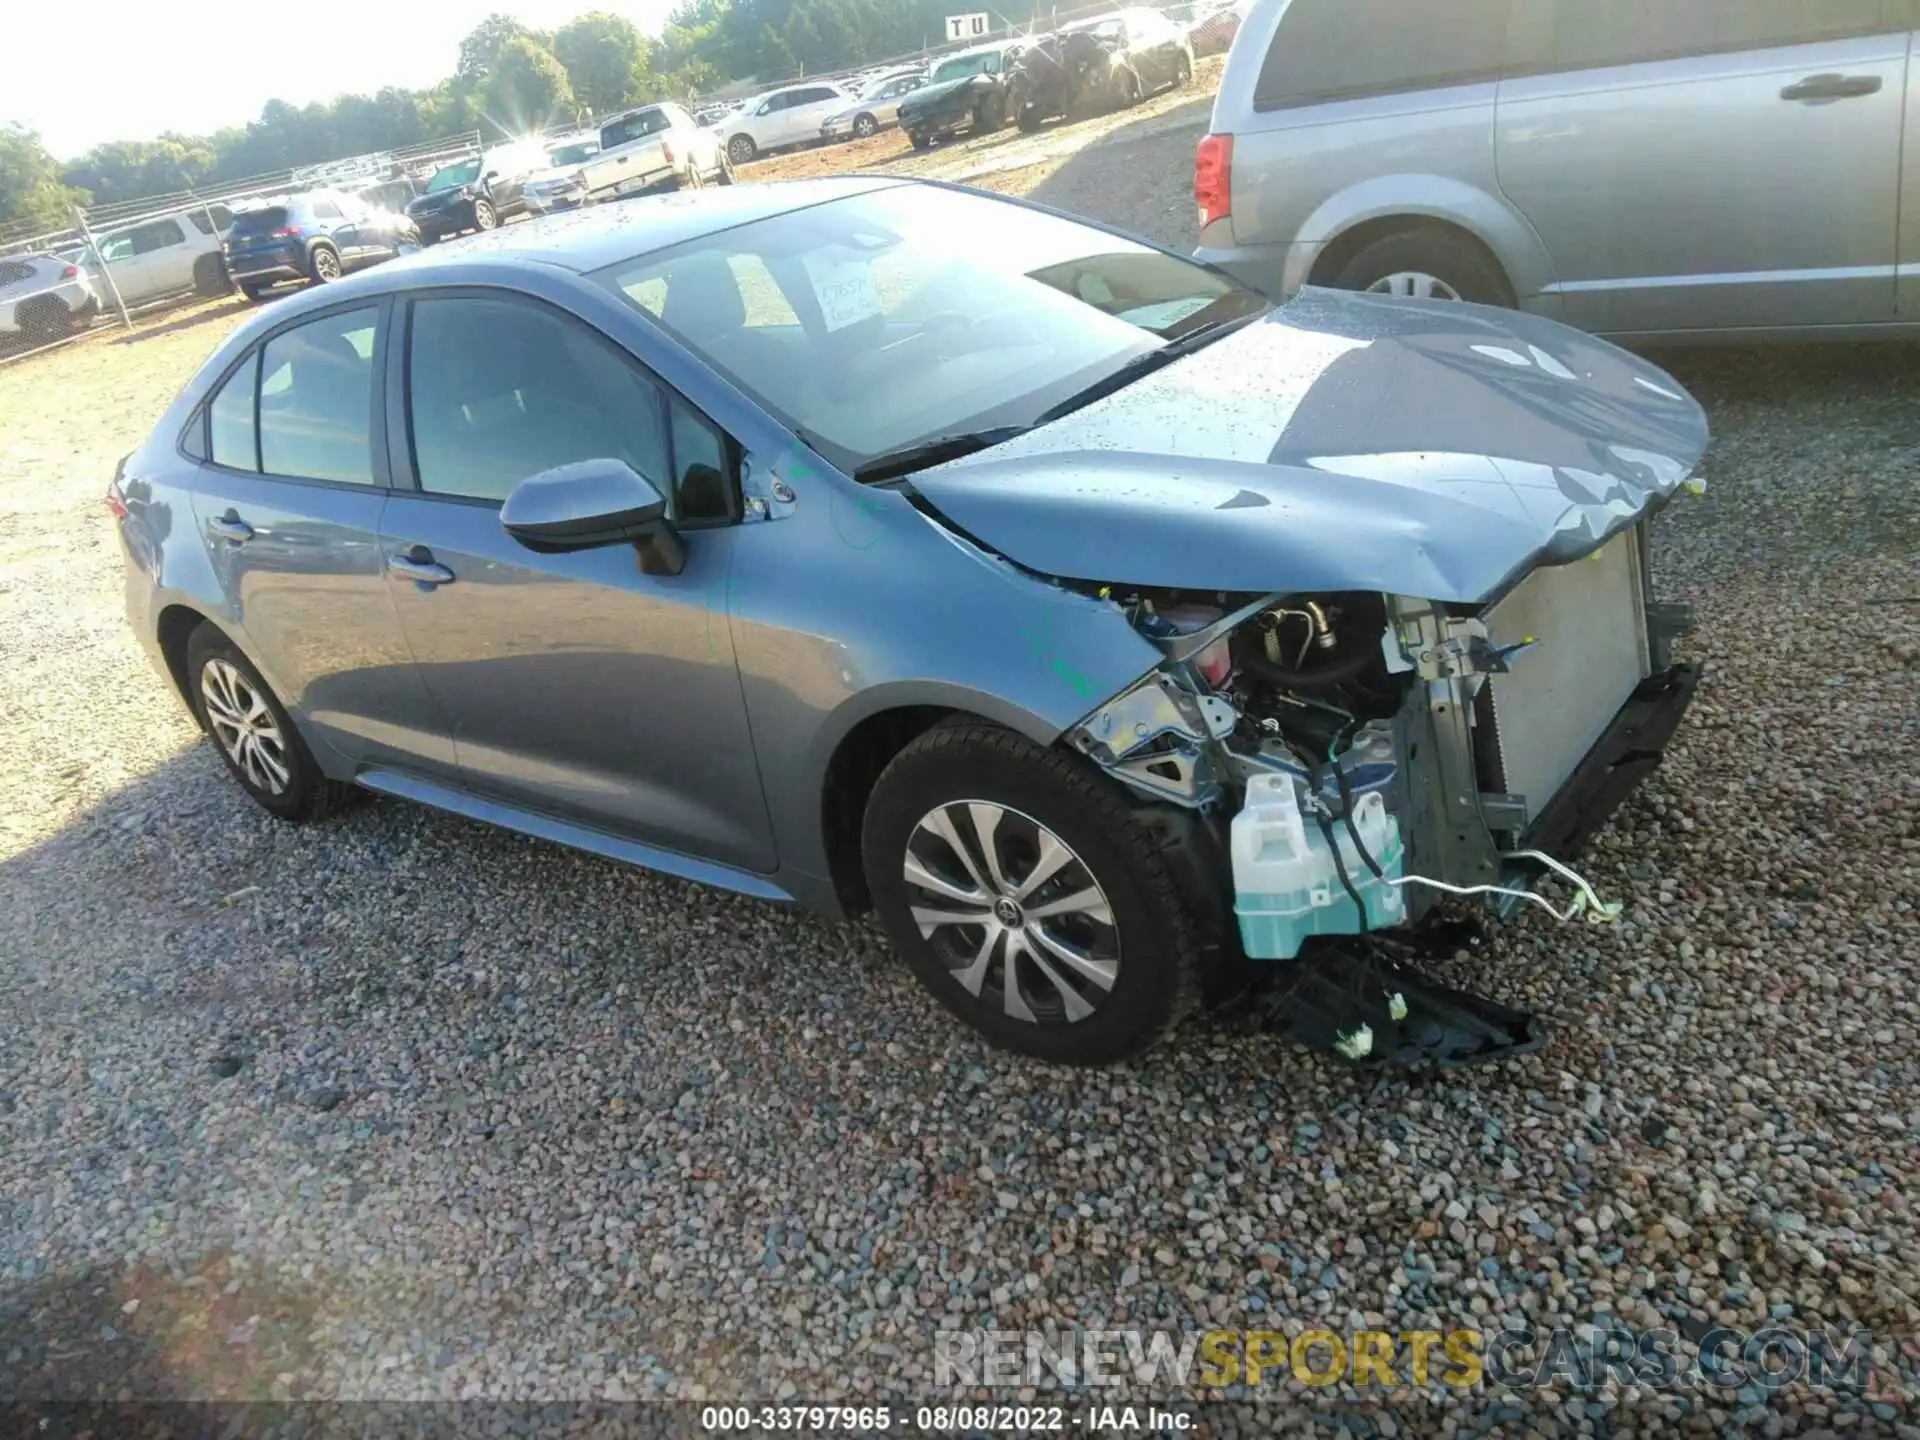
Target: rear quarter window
1346,49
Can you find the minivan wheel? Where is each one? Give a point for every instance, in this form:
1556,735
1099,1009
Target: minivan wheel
253,734
1026,896
1426,264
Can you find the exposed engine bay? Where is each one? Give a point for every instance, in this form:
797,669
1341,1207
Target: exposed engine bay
1361,756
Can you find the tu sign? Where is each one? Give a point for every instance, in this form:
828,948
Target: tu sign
967,27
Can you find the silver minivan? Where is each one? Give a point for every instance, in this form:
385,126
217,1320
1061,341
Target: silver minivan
1639,168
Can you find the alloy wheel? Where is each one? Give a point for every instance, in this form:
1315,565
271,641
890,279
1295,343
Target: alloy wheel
244,727
864,126
326,265
483,216
1015,915
1413,285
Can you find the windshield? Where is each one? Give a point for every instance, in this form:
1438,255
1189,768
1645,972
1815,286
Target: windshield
461,174
987,62
574,154
874,323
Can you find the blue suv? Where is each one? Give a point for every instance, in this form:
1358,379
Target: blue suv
317,237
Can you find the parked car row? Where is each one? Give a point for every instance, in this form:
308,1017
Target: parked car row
1659,173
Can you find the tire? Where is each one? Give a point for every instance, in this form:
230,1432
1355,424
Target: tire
45,318
1129,89
992,113
723,168
1133,931
210,276
323,265
254,293
918,140
485,217
224,686
690,180
1183,70
1456,268
865,127
1027,120
741,149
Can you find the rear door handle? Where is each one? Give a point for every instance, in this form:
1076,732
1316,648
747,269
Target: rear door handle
1832,87
231,527
419,566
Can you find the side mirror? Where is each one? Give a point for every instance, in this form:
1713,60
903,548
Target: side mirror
590,504
491,176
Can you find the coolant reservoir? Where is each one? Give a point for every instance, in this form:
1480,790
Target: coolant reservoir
1284,881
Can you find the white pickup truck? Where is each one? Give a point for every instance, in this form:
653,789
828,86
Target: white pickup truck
656,147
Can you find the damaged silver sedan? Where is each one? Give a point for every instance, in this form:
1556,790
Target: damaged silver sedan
1123,640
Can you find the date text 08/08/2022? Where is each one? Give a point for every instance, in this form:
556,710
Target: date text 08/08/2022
943,1419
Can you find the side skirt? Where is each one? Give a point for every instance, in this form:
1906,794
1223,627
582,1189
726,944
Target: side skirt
564,832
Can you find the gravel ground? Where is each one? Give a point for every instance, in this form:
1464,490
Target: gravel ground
399,1106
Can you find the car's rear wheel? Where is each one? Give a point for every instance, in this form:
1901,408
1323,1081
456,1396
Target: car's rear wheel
45,318
690,178
484,215
1183,69
864,126
992,113
722,168
918,140
324,265
1426,264
253,734
210,276
1027,119
254,293
1129,88
742,149
1027,896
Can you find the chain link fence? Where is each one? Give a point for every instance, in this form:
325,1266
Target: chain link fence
116,261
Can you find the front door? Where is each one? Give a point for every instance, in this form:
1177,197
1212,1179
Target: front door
288,506
1712,165
575,685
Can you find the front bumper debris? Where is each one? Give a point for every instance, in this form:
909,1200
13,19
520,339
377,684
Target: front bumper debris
1359,998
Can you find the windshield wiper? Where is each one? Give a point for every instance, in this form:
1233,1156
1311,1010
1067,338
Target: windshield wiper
1143,364
940,448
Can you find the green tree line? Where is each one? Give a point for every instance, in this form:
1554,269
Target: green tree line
509,79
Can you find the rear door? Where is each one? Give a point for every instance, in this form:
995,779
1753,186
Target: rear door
1712,165
162,247
288,505
577,686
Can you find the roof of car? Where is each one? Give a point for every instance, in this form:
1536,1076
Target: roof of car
975,50
600,235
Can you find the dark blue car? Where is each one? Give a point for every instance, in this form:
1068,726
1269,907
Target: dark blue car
316,237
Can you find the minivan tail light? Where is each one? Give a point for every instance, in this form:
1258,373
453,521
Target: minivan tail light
1213,178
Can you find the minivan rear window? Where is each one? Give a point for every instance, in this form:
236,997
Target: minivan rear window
259,222
1344,49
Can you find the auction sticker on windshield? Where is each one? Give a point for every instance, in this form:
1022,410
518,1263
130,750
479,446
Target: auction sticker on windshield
844,288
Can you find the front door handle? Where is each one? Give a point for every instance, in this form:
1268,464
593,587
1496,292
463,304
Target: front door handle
1832,87
231,527
419,566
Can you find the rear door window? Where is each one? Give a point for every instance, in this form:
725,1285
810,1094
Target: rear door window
1347,49
157,236
316,399
1578,35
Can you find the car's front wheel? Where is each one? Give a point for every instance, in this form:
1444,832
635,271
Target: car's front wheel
864,126
1027,896
253,733
484,216
741,149
918,139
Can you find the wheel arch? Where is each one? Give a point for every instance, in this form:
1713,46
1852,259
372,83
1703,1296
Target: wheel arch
1346,222
174,630
859,746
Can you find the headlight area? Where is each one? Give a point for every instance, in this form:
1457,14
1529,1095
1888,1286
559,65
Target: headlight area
1327,740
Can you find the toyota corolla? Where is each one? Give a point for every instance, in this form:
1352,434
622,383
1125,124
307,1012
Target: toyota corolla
876,544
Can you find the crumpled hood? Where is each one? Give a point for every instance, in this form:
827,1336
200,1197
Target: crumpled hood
1342,442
